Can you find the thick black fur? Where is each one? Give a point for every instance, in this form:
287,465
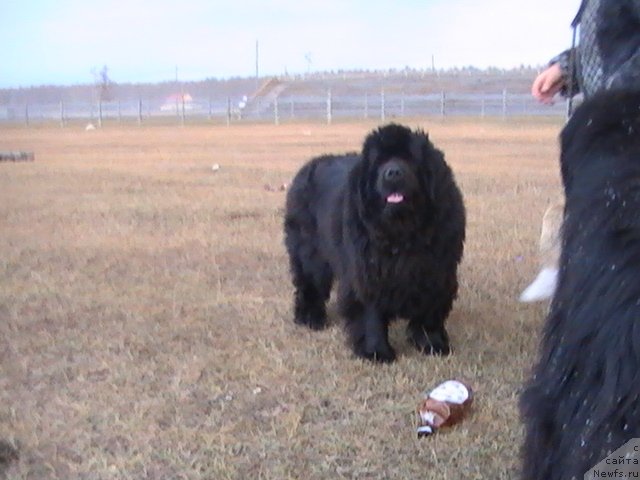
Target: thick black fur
583,400
391,259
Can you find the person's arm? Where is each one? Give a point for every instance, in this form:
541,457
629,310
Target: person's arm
571,86
549,82
555,79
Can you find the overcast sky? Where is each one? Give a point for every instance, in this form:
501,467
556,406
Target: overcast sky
62,41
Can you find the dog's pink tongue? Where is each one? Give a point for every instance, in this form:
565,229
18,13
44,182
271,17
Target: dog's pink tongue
395,198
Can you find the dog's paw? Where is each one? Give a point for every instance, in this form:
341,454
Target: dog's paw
432,342
314,322
380,353
311,314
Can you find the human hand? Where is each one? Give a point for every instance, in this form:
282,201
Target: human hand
547,84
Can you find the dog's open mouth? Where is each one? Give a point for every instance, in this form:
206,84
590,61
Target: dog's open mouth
395,198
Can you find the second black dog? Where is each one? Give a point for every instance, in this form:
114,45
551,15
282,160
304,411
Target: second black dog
583,401
389,225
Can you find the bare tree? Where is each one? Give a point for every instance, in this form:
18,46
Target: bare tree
103,83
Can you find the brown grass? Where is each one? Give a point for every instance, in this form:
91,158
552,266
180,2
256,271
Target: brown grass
146,323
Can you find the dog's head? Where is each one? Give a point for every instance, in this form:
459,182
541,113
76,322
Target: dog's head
396,177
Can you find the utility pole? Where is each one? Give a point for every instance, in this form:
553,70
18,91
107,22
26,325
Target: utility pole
176,94
257,60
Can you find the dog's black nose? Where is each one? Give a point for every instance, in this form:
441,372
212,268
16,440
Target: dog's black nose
392,172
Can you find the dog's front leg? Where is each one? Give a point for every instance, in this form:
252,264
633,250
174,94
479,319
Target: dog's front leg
371,339
367,327
430,339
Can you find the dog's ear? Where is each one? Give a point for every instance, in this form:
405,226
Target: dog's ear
359,184
370,156
424,152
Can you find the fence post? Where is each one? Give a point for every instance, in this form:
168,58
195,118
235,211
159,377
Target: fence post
504,103
276,113
366,106
291,105
443,101
26,114
100,113
228,111
62,113
182,113
402,104
382,109
329,107
210,111
139,112
482,107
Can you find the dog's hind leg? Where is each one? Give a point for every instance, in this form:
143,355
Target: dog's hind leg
312,282
368,329
311,273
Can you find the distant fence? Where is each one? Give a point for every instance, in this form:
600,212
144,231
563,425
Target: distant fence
328,108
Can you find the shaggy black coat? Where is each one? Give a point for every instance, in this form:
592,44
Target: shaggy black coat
389,225
583,401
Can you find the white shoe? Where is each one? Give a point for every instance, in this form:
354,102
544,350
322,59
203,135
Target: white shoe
543,287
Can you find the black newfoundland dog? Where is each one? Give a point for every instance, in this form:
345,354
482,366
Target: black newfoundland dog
388,224
583,401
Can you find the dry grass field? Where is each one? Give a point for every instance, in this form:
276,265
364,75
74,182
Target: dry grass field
145,310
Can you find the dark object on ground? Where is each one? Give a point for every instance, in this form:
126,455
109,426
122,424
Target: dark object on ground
583,401
8,455
17,157
388,224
